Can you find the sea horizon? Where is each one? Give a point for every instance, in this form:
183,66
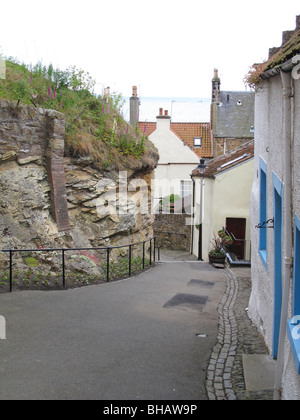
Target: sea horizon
180,109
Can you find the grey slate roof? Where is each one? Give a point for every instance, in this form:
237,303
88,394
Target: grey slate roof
235,115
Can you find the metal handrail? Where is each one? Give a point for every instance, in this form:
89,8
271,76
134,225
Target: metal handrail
64,250
242,240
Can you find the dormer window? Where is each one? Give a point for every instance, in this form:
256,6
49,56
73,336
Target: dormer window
197,141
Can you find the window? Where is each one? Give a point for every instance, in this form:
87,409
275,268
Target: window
293,327
185,188
197,141
263,212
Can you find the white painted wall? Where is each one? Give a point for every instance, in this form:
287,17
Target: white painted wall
269,143
228,195
176,160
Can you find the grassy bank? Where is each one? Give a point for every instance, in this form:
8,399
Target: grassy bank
94,124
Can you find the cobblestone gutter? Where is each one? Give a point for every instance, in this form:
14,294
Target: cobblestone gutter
237,336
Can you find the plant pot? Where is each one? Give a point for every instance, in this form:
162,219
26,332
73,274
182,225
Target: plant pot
216,259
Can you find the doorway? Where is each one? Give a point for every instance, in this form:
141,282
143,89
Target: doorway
236,227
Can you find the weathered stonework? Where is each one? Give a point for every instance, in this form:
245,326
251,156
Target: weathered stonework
29,135
48,200
55,145
172,231
225,145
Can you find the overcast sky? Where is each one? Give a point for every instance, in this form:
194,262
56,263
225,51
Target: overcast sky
167,48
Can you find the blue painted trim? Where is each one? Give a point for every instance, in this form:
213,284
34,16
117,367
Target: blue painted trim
294,338
296,274
278,227
277,184
263,212
292,332
263,257
262,164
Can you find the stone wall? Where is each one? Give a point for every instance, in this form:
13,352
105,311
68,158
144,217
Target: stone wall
224,145
172,232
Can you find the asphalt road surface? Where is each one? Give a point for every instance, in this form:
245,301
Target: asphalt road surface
144,338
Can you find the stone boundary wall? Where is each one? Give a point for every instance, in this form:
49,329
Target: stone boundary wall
175,225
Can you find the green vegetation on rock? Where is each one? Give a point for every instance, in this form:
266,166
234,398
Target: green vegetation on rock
94,124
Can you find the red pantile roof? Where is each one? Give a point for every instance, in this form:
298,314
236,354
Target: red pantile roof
147,128
186,132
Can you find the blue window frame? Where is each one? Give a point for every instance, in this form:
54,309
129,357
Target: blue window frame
293,327
296,290
263,211
278,222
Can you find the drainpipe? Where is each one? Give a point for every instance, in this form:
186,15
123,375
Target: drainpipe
200,221
288,261
193,209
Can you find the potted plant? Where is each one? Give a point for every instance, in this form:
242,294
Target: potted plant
221,233
217,254
227,239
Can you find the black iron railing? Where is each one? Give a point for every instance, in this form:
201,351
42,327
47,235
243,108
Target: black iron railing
143,260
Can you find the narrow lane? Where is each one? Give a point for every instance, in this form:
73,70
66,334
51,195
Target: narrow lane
149,337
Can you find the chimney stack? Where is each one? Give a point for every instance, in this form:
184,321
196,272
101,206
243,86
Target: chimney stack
286,36
216,84
163,114
163,119
134,107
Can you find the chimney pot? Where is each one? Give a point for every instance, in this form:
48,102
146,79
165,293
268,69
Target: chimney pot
134,108
134,91
166,113
161,111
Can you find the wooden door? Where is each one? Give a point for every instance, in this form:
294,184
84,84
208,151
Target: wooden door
237,228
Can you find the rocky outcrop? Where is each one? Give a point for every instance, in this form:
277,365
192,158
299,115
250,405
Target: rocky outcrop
48,200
